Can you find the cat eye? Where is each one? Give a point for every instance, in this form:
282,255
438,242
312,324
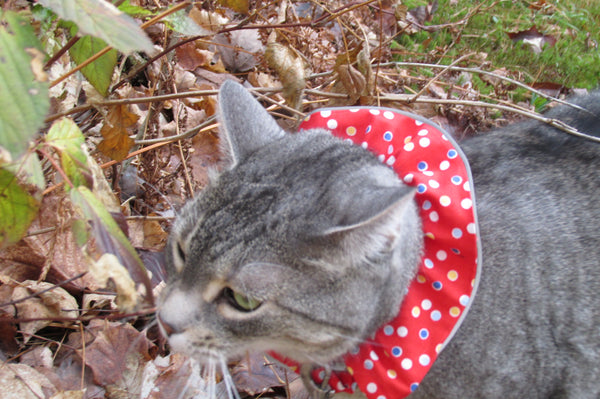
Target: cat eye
240,301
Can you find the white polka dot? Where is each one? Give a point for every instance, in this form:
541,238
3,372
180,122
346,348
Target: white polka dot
408,178
467,186
374,356
371,387
409,146
424,142
325,114
471,228
391,160
424,360
364,145
340,386
426,304
466,203
402,331
332,124
416,312
436,315
434,184
381,397
418,122
444,165
390,149
445,200
428,173
428,263
374,111
464,300
381,157
456,232
426,205
388,115
441,255
434,217
406,364
423,132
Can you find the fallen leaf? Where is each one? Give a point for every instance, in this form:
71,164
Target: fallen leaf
239,49
117,352
290,69
107,270
41,300
19,381
241,6
117,143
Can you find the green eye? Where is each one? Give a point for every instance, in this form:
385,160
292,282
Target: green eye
241,301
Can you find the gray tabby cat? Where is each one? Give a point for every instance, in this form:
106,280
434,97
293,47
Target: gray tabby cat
302,235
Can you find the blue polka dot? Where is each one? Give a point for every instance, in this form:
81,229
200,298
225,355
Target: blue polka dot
388,136
437,285
452,154
423,333
396,351
422,165
414,386
455,250
388,330
456,179
368,364
421,188
369,128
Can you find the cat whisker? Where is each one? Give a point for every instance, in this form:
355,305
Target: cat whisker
229,385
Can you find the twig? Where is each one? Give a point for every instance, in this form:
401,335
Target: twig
550,121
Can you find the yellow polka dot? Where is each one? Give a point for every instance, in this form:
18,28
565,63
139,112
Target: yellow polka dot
416,311
430,235
350,370
452,275
407,139
445,200
473,283
392,374
421,279
438,348
351,131
454,311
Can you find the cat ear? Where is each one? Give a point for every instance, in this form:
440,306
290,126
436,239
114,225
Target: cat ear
245,125
376,221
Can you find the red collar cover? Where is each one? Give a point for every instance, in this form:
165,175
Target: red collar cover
391,364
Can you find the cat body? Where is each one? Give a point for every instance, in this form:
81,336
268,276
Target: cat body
306,245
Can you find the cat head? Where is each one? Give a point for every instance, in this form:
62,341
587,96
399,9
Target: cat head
303,244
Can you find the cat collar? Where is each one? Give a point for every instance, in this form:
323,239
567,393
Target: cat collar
391,364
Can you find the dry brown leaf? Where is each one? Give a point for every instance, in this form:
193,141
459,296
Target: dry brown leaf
190,57
19,381
241,6
117,143
117,353
108,270
208,20
50,304
290,69
174,376
239,50
147,234
206,155
353,81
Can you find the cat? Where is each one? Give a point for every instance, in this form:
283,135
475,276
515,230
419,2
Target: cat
307,245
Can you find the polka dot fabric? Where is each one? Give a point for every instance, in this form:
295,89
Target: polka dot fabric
392,363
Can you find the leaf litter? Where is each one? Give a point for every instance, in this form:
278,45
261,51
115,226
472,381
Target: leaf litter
75,307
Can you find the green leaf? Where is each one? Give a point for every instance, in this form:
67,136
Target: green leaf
23,93
180,22
17,207
103,20
134,11
64,135
98,73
